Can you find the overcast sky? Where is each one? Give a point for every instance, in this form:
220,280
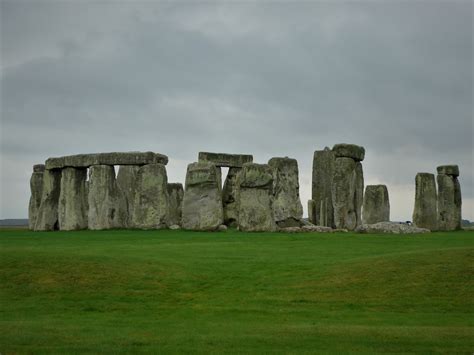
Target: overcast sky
268,79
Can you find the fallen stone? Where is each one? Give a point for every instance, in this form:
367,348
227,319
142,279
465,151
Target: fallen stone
222,228
120,158
452,170
344,194
151,203
47,219
107,208
376,204
349,151
425,212
229,194
175,227
390,228
127,184
36,188
255,198
323,172
225,160
319,229
287,206
290,230
73,204
175,193
449,203
202,201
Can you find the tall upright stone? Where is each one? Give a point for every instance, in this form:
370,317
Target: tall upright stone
229,197
202,201
287,208
151,203
36,188
73,205
425,211
255,198
376,204
449,198
47,218
106,206
127,183
323,172
175,193
348,185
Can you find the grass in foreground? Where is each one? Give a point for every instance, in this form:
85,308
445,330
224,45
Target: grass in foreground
177,291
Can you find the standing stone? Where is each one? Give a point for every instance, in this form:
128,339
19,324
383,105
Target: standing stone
359,192
348,185
449,198
255,198
106,207
36,187
425,212
151,203
47,219
312,212
229,197
175,193
127,183
202,202
323,172
72,210
323,213
343,193
376,204
287,208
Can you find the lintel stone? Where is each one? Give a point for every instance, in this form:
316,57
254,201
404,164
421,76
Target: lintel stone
226,160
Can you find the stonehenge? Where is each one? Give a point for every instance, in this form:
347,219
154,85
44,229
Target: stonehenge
320,210
202,201
36,188
287,208
347,185
84,192
376,207
425,212
255,198
449,198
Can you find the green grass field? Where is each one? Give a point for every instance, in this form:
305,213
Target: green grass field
188,292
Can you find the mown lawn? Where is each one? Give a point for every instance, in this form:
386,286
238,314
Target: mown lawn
188,292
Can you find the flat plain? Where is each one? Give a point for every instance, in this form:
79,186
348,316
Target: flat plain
129,291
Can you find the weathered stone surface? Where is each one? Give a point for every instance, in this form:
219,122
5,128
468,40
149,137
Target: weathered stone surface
36,188
323,172
312,212
226,160
353,151
222,228
38,168
452,170
47,219
107,208
316,228
345,203
117,158
202,201
376,204
287,206
151,203
72,209
390,228
255,198
175,227
425,211
127,183
175,193
229,197
449,202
